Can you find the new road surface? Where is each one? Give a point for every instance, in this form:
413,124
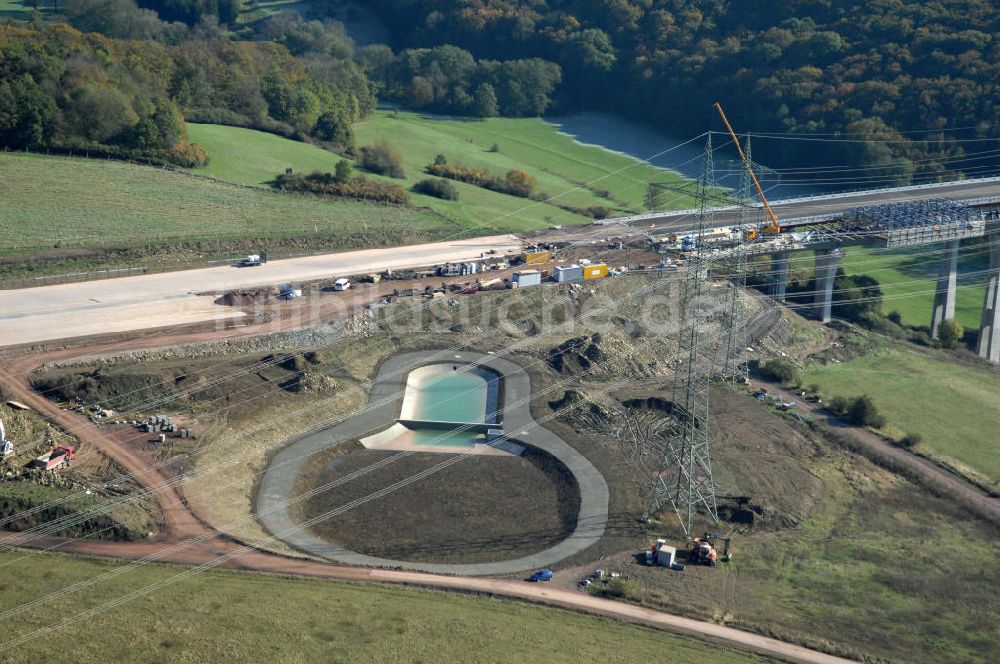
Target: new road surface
175,298
831,205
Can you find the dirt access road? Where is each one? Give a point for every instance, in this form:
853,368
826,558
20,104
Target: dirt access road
154,300
933,476
225,554
186,539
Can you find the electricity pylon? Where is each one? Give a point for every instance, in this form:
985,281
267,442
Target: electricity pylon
684,476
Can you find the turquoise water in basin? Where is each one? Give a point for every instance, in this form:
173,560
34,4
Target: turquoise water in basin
443,438
455,396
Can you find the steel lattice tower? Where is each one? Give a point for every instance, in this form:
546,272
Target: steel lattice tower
684,478
737,320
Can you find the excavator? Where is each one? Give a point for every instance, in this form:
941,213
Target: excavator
772,225
704,550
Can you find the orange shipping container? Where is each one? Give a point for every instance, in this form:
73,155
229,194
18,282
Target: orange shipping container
598,271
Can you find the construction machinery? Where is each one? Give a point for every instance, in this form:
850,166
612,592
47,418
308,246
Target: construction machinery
772,225
6,447
705,550
60,456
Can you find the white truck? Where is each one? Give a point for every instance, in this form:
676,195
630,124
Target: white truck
253,260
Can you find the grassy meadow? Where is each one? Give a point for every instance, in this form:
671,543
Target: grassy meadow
908,281
69,214
874,570
956,407
572,174
53,202
221,616
18,10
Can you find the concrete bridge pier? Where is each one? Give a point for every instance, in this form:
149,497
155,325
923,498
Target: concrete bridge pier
779,274
947,283
989,328
827,262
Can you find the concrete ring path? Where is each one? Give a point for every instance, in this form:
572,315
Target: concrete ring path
279,478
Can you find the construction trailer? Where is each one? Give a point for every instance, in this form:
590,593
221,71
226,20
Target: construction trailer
663,555
595,271
526,278
536,257
568,273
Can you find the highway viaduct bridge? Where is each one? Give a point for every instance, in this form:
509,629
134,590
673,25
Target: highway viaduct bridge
944,213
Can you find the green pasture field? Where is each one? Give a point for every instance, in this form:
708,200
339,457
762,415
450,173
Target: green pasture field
908,280
954,406
568,173
58,202
220,616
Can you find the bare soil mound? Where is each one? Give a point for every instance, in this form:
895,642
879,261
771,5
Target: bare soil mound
482,509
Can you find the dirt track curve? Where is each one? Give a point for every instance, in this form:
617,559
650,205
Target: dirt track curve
935,477
180,523
259,561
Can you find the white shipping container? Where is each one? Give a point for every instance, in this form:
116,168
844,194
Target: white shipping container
568,273
527,278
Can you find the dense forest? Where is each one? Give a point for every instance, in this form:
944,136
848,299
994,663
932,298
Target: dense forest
60,89
450,80
904,89
871,70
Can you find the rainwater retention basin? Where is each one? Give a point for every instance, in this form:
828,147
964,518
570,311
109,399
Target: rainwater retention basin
445,405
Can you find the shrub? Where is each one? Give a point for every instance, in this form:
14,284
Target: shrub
326,184
863,412
877,323
382,158
521,184
910,440
439,188
895,317
782,371
495,147
950,334
839,404
515,182
618,588
342,172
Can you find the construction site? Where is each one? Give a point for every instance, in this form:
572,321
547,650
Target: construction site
596,414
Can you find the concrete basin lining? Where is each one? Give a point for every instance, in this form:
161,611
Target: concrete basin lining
420,384
280,476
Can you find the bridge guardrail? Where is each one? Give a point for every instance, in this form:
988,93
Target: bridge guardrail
818,197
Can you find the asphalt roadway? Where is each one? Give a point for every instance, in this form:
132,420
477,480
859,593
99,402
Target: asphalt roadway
174,298
827,205
279,479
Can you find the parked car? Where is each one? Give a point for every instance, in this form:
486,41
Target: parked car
341,284
541,575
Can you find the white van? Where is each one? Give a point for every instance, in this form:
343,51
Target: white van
341,284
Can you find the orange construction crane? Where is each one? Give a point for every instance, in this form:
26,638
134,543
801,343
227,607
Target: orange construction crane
773,226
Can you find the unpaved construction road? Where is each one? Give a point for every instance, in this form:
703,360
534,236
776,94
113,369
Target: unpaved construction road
186,539
222,553
930,474
155,300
